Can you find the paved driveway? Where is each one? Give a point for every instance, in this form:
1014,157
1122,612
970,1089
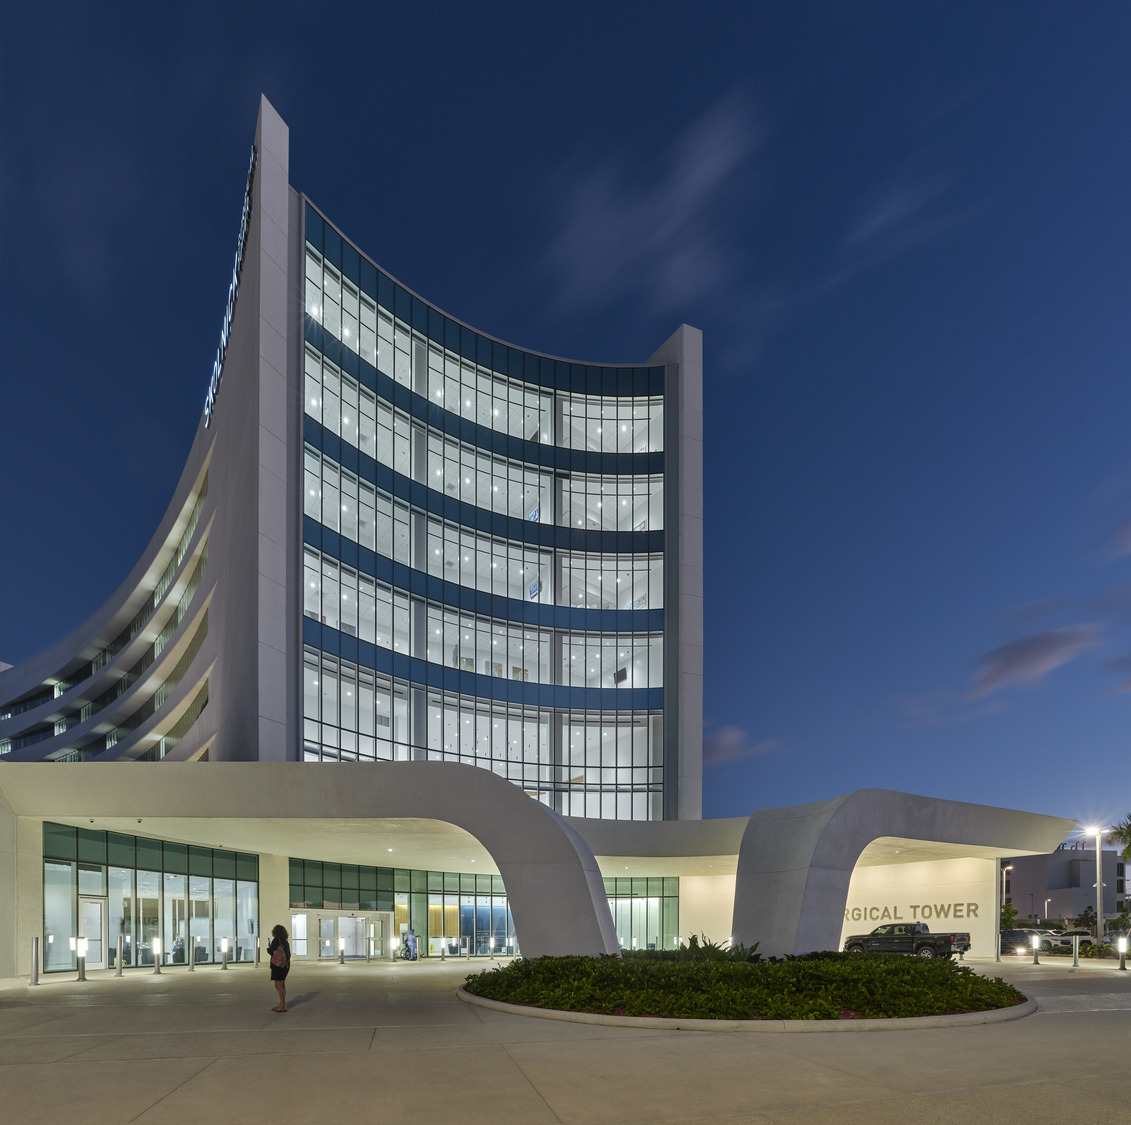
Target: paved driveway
392,1043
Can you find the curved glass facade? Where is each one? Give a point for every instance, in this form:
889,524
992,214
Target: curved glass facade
484,548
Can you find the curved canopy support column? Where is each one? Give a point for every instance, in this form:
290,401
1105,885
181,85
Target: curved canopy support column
795,864
554,886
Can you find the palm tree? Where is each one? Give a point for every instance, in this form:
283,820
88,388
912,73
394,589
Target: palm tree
1121,834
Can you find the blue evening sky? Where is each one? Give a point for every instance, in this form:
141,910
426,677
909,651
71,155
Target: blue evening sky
903,229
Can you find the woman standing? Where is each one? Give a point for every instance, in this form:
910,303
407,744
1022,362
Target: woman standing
280,951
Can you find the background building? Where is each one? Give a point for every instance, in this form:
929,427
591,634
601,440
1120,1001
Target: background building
1061,885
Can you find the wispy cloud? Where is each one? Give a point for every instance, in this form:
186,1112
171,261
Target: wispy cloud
733,744
942,707
1121,665
657,232
895,215
1031,658
900,213
1121,540
1031,615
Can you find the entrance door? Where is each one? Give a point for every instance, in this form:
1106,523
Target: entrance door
333,929
92,927
381,936
327,946
351,930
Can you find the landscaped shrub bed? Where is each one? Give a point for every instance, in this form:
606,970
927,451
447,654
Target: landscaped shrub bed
1091,950
820,986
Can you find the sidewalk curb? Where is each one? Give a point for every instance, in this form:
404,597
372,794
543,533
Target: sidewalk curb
773,1027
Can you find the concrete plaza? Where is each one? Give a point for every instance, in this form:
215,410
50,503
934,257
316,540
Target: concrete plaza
392,1042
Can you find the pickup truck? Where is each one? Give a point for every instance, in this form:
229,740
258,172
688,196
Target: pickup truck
907,937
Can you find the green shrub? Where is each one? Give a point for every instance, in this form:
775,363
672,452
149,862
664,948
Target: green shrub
1096,952
1091,950
816,986
699,949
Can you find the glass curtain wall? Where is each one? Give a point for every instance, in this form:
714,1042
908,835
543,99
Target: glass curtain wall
424,445
188,898
610,764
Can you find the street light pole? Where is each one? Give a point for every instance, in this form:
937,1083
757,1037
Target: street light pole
1046,918
1099,890
1000,906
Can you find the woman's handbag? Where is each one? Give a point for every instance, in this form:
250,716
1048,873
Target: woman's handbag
278,958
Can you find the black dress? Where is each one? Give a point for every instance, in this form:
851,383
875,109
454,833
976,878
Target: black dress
276,972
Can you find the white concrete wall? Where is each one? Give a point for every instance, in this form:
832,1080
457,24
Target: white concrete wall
277,486
274,895
21,890
946,894
29,889
706,906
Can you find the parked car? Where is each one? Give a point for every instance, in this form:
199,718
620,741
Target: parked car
1016,941
1049,938
1087,937
909,937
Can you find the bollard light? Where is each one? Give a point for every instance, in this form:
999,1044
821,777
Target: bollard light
1121,945
223,953
341,951
80,948
155,945
1036,939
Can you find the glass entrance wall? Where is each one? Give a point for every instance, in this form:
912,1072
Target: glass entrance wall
326,938
298,935
92,913
190,898
200,920
174,942
224,919
60,917
429,902
645,912
120,915
148,915
453,912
